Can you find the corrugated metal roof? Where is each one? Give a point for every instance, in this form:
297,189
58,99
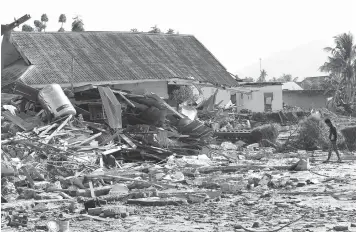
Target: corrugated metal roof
113,56
291,86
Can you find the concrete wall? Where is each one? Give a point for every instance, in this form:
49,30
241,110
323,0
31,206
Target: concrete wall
158,87
256,102
306,99
222,95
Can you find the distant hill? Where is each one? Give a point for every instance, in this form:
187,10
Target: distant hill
302,61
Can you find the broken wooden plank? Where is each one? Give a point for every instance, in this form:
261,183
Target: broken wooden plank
58,128
90,139
48,129
128,140
125,98
156,97
112,107
38,130
107,152
18,121
92,193
95,218
39,113
156,201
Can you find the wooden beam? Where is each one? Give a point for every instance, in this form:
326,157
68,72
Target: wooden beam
18,121
90,139
48,129
58,129
125,98
128,140
155,96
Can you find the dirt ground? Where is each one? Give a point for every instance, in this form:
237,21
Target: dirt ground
321,198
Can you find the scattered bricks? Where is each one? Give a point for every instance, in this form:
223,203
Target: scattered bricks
98,191
155,201
341,228
95,211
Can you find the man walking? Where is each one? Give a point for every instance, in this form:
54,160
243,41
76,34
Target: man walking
333,138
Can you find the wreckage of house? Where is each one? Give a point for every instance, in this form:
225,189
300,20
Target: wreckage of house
126,61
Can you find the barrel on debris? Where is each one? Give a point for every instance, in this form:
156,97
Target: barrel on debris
53,99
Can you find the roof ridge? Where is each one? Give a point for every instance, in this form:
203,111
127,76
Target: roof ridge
84,32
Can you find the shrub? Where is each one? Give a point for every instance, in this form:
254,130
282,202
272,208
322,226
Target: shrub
268,132
349,134
314,133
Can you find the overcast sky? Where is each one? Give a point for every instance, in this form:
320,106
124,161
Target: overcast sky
288,35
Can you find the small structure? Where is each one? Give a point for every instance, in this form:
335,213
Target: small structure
263,97
306,99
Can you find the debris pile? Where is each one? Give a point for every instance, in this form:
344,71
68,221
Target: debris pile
103,154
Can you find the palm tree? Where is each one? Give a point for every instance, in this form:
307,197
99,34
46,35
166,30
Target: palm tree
341,66
62,19
263,76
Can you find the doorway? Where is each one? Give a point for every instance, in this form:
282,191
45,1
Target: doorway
268,99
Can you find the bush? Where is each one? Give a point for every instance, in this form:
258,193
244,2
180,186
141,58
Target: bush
350,137
314,133
268,132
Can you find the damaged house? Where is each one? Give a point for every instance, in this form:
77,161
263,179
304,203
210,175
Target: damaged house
136,62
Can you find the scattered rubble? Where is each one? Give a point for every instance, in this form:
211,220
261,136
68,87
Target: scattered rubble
112,155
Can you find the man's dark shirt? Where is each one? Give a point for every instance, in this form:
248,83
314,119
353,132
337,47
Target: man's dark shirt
333,133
